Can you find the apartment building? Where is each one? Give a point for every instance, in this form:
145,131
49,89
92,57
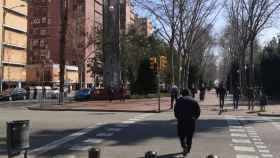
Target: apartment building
144,26
84,17
127,16
13,38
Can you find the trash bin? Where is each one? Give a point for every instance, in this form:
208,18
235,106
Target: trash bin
18,135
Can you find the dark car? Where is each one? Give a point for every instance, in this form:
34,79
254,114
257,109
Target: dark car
83,94
13,94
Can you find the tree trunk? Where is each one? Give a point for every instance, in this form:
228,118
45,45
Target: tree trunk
64,19
251,67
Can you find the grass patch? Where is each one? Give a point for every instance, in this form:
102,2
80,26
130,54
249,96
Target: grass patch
147,96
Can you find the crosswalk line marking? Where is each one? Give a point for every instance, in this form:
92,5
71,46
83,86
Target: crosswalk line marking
254,136
236,130
259,143
244,148
246,156
267,155
55,144
261,146
238,127
264,151
128,122
80,148
238,135
93,141
256,139
244,141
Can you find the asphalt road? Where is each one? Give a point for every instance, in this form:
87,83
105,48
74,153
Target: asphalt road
226,136
130,135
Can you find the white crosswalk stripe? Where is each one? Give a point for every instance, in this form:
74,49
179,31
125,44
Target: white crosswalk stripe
244,148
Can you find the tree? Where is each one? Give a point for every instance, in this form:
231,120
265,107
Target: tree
247,19
270,59
146,80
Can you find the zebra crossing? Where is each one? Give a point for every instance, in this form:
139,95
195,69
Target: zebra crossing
246,141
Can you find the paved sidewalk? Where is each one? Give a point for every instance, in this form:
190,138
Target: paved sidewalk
209,106
131,105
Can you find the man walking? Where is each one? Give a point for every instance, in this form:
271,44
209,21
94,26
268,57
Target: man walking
236,97
251,98
187,111
174,95
222,93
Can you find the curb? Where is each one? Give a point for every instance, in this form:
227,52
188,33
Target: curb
95,110
268,114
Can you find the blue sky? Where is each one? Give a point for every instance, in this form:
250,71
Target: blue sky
264,37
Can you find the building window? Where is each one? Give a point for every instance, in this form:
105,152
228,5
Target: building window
42,43
35,42
49,21
44,20
43,32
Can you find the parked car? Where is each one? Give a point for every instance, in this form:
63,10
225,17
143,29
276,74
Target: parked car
13,94
54,92
84,94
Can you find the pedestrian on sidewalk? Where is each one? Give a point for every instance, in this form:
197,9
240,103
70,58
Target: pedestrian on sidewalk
110,93
263,101
236,97
122,92
251,99
222,93
187,111
174,95
193,90
202,92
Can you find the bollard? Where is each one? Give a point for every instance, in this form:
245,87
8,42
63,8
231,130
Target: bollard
94,153
212,156
151,154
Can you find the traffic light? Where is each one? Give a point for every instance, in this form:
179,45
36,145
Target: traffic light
153,63
163,63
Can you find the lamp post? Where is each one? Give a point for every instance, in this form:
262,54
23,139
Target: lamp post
3,38
111,44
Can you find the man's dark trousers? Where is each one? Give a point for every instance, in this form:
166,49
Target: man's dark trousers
186,130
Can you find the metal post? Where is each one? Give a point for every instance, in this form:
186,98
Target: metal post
158,82
94,153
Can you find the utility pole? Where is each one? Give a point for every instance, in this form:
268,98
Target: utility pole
64,19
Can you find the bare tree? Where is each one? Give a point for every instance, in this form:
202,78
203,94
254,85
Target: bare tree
78,42
247,18
196,23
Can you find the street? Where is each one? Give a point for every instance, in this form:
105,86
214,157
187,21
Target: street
127,135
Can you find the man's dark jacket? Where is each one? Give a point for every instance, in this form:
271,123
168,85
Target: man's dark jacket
186,109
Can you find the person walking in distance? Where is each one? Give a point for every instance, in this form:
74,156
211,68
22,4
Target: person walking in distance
222,93
186,111
193,90
251,99
174,95
236,97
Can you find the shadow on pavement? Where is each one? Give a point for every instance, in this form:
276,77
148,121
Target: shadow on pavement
141,132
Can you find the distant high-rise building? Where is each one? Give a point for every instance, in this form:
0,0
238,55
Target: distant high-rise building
127,16
84,19
144,26
13,38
